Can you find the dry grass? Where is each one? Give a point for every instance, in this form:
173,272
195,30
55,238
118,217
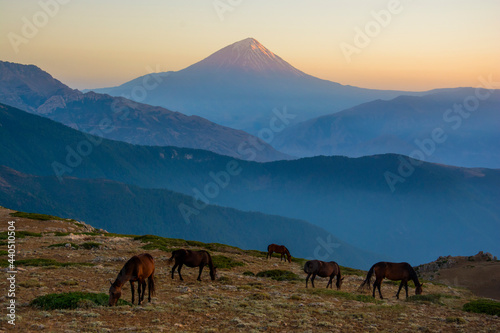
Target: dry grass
238,301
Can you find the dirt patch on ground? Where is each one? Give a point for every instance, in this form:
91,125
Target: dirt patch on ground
479,273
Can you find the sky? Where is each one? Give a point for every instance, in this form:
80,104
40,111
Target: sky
405,45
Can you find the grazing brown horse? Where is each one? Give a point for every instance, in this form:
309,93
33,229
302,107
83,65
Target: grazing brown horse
395,272
193,259
138,268
323,269
281,249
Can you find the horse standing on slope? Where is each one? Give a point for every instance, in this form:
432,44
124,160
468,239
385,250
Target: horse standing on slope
138,268
281,249
193,259
323,269
395,272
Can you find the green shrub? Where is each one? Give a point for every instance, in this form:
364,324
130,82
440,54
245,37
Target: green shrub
31,283
225,262
487,306
61,234
69,283
3,253
248,273
72,300
49,262
20,234
455,320
35,216
90,245
279,275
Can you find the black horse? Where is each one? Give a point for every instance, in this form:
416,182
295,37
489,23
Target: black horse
192,259
395,272
323,269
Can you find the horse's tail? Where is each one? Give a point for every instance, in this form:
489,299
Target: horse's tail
368,278
307,267
172,257
151,283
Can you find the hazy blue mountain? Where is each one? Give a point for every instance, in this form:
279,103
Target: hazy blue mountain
129,209
405,125
430,210
241,84
29,88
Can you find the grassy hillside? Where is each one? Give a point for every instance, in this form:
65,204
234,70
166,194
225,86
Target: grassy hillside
237,301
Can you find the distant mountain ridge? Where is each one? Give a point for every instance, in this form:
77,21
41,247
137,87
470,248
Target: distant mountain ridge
123,208
405,125
239,86
29,88
435,209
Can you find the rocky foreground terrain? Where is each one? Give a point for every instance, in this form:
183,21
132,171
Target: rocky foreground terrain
85,259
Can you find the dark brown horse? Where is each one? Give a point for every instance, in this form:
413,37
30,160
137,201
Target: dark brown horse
281,249
395,272
138,268
193,259
323,269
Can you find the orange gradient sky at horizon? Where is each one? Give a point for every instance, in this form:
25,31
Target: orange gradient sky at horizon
421,45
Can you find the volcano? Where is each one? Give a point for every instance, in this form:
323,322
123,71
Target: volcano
241,84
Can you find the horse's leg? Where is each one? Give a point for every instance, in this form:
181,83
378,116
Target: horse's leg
143,289
406,288
173,270
312,279
149,287
132,289
139,299
329,282
399,289
378,287
307,278
179,271
201,270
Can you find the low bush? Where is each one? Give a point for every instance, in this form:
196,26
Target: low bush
72,300
279,275
487,306
225,262
90,245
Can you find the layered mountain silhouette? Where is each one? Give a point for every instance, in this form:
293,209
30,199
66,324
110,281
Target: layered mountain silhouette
240,85
31,89
431,209
405,125
128,209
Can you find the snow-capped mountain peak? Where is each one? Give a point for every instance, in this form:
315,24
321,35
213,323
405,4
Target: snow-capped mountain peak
247,55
